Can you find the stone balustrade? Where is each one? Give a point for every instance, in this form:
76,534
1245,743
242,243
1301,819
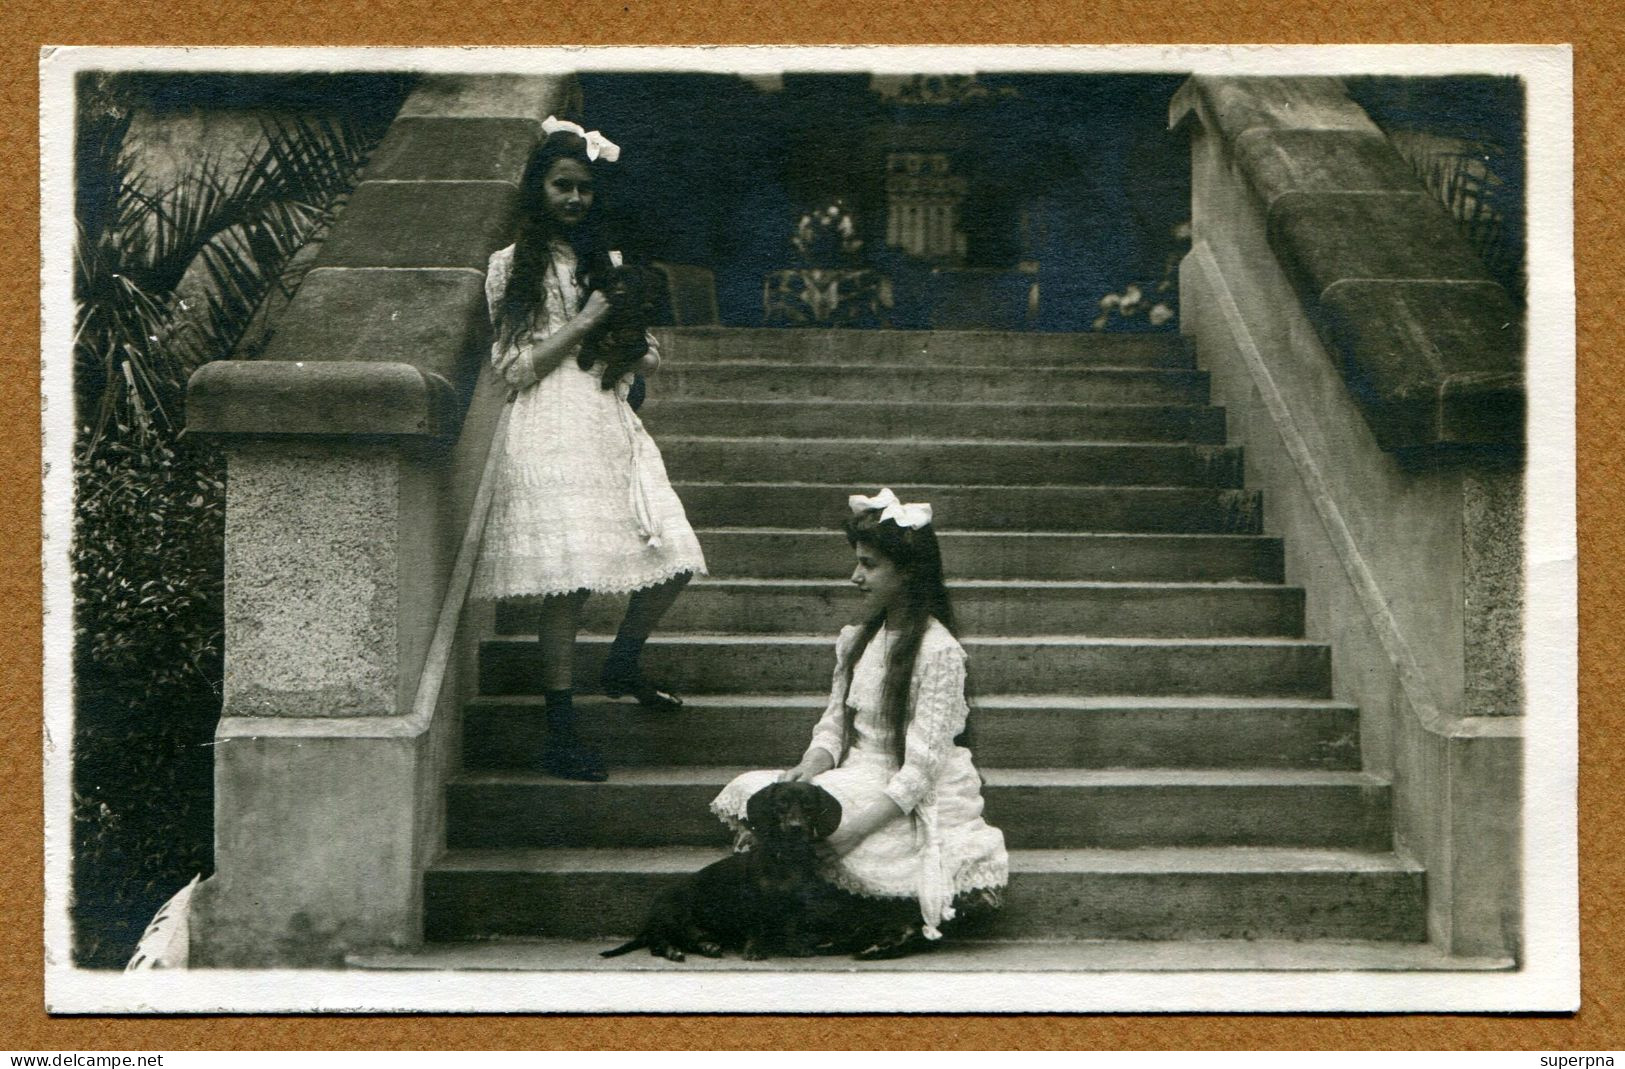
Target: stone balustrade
355,450
1374,375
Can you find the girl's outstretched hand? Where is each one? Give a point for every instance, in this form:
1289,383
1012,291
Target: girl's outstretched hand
596,308
812,765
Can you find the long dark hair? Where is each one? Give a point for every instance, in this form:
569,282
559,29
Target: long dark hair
523,302
918,559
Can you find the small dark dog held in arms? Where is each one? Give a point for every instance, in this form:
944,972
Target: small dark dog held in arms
765,901
636,298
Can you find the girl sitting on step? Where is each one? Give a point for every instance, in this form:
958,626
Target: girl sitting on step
581,501
911,838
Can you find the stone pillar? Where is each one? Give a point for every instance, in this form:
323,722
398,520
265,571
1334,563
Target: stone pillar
1374,374
354,450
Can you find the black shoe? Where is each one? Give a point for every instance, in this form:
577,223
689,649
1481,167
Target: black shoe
617,683
907,940
574,761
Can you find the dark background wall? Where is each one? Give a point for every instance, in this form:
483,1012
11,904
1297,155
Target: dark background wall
1464,137
716,170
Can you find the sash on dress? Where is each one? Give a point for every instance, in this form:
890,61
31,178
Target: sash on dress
648,527
936,888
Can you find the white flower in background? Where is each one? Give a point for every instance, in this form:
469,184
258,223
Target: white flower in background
1160,313
1110,301
1131,299
1182,232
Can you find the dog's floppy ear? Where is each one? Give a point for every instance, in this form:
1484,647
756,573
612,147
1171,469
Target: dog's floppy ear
829,814
759,810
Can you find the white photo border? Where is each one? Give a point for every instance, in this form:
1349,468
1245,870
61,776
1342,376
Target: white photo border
1549,978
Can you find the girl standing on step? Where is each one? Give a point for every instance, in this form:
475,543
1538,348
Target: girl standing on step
581,501
911,836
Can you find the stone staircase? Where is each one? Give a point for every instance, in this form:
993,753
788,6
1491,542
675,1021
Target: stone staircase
1159,741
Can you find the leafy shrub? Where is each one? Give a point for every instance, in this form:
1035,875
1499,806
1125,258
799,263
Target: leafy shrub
148,590
165,279
142,813
147,565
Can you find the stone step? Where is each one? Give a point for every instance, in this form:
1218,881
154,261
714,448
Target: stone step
1073,509
925,419
778,664
935,348
768,380
823,553
1009,731
1011,956
1043,808
887,461
984,607
1162,894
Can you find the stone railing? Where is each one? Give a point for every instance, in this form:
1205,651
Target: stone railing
1374,374
355,453
1428,342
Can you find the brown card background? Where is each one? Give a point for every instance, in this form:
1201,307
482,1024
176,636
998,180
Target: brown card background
1599,82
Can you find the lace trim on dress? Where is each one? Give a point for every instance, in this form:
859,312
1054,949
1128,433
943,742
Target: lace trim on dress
505,584
729,807
978,876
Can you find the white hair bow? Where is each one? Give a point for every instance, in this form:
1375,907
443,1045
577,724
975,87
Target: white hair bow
597,144
917,514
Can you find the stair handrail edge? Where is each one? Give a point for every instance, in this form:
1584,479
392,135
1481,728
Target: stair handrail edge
1413,680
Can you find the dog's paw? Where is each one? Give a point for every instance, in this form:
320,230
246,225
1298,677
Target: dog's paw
753,952
667,951
709,949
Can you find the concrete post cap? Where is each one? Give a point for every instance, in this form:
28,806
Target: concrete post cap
316,398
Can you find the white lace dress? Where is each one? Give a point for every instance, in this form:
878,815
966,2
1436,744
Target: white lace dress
941,846
581,499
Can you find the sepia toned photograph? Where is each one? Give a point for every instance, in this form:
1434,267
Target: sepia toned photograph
809,530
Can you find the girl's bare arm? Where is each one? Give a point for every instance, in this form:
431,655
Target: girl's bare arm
816,762
825,747
549,351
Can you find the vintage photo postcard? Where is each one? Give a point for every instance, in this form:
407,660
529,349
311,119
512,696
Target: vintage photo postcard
809,530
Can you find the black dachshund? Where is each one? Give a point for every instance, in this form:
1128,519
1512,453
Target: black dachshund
768,900
636,298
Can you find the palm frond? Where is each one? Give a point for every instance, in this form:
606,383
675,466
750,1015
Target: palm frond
1459,173
317,154
167,279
